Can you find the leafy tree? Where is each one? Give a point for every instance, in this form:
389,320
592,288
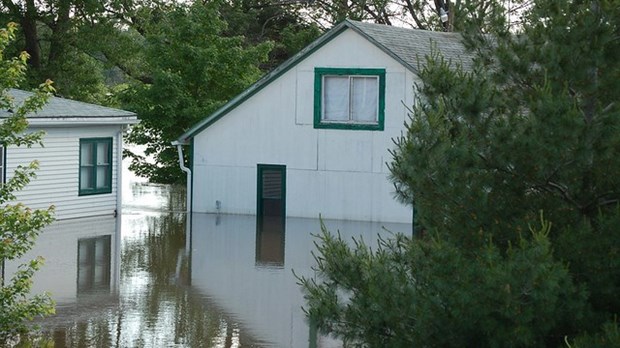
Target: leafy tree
258,21
420,14
194,70
530,127
108,52
19,225
51,33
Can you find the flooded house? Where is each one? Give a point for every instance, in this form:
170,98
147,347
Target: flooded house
80,170
80,163
313,136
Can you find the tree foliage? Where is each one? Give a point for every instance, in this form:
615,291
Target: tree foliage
51,32
150,57
194,70
197,56
19,225
419,14
531,126
431,292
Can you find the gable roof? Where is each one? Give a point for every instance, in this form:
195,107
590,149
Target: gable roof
408,45
404,45
61,111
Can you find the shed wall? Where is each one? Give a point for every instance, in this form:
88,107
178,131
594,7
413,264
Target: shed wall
340,174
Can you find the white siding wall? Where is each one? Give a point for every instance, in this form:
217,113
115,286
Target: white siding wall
57,178
341,174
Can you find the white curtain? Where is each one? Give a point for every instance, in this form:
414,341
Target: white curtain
336,98
364,99
102,164
86,163
102,153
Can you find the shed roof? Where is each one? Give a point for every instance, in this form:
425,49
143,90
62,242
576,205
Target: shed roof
61,111
404,45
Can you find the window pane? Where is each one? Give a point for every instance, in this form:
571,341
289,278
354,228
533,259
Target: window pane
336,98
102,153
102,176
364,99
86,154
86,178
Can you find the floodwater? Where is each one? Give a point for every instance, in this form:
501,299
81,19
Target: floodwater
144,279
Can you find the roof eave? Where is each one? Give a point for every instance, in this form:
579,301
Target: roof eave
75,121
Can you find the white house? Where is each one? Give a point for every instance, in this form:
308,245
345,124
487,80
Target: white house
313,136
80,164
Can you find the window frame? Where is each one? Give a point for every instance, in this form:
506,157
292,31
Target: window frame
320,73
95,190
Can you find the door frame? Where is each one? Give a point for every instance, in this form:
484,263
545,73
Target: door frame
260,168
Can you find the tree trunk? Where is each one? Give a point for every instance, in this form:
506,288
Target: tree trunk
60,31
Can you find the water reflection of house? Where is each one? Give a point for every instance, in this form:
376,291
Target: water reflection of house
248,271
81,259
270,237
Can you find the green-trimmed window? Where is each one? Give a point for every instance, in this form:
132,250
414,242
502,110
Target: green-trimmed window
95,166
349,98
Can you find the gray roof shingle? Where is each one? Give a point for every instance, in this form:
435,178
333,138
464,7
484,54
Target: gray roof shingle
59,108
409,45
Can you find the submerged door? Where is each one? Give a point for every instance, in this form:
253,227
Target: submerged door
271,195
270,215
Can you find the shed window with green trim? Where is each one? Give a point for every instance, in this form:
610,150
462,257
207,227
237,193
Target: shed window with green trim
349,98
95,166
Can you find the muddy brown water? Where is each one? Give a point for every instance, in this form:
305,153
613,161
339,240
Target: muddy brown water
146,279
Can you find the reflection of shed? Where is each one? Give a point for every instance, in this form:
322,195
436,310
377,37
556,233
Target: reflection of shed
226,266
80,164
270,237
325,119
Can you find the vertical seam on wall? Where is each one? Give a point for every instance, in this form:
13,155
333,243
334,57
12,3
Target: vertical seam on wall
296,96
318,134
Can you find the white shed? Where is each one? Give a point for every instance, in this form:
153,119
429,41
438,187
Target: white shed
80,164
313,136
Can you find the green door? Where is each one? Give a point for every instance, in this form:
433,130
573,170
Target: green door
270,215
271,195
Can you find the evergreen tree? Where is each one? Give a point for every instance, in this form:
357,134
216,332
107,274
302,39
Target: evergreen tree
530,127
